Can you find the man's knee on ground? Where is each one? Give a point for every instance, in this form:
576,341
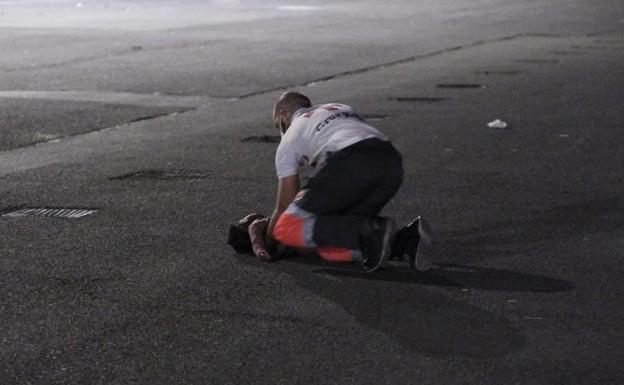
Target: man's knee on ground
289,230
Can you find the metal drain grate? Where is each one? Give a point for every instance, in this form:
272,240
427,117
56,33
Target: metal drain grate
416,99
50,212
263,139
165,174
460,85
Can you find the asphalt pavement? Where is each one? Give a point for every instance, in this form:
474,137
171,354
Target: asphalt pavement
149,113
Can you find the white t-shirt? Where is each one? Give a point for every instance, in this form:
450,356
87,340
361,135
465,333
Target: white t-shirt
317,130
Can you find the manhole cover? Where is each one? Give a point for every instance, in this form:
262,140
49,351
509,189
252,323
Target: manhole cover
263,139
499,72
460,85
417,99
49,212
165,174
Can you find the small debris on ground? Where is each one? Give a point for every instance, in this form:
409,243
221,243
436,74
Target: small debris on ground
498,124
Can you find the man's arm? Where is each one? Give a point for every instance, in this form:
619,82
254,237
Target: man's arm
287,189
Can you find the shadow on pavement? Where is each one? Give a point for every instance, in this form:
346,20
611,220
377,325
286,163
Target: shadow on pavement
464,277
400,303
418,319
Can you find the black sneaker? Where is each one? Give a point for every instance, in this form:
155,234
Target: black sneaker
407,240
376,247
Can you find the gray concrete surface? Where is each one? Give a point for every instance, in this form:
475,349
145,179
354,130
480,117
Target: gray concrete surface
524,286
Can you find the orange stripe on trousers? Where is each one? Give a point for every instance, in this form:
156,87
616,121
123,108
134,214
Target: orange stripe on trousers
335,254
289,230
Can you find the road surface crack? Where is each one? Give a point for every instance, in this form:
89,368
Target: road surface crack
392,63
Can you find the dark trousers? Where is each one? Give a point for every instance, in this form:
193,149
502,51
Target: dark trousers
337,205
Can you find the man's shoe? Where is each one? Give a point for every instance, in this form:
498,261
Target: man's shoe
376,247
407,240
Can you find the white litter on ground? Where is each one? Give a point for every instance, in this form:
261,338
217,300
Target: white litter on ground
498,124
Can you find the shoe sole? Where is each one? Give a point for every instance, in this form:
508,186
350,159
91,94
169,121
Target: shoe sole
386,242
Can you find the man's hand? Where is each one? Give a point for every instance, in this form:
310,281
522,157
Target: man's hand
257,232
287,189
248,220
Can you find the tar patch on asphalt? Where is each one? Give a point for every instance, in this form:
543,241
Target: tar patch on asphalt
262,139
537,61
610,41
460,85
567,53
164,174
499,72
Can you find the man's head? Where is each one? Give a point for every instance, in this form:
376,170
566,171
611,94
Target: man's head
286,106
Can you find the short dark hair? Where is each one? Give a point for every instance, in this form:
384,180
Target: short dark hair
291,101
